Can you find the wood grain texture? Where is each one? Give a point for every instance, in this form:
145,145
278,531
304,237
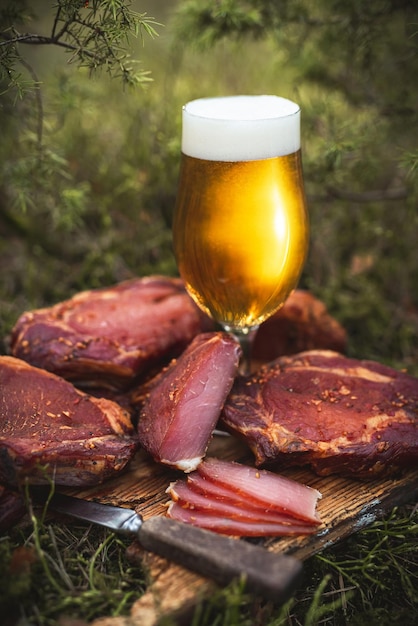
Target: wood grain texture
346,507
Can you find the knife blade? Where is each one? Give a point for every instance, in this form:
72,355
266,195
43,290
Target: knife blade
223,559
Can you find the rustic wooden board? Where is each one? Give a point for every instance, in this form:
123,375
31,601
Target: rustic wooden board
346,506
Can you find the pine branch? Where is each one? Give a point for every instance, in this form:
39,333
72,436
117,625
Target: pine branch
93,38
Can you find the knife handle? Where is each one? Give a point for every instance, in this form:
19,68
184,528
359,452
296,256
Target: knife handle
224,559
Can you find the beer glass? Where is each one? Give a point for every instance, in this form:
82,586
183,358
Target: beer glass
240,230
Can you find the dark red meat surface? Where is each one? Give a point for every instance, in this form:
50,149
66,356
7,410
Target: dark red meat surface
50,431
180,412
303,323
110,336
231,498
337,414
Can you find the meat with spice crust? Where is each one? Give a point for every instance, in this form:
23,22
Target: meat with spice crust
51,431
182,408
118,336
336,414
108,337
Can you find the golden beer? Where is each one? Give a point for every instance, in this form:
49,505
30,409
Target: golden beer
240,227
240,235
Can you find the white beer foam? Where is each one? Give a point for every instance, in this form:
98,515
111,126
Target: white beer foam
240,128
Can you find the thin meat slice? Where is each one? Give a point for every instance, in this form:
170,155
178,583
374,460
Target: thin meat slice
219,494
51,431
187,497
263,487
235,499
230,526
109,337
178,416
319,408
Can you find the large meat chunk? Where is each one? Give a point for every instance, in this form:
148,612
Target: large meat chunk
337,414
49,430
182,408
303,323
110,336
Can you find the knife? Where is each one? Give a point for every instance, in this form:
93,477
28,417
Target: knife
223,559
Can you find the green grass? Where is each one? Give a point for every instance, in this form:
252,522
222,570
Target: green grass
94,207
51,571
58,571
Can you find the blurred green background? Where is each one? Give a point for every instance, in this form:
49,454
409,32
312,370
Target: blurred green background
94,205
88,177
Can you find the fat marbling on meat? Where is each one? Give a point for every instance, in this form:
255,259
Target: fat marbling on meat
235,499
337,414
51,431
226,524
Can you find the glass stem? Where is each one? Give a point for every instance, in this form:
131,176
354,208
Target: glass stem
245,337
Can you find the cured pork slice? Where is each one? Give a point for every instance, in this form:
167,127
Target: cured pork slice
336,414
110,336
181,410
51,431
231,526
219,494
265,488
235,499
206,502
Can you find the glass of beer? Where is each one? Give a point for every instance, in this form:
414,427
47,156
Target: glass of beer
240,230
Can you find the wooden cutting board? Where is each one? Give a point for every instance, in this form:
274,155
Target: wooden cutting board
346,506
